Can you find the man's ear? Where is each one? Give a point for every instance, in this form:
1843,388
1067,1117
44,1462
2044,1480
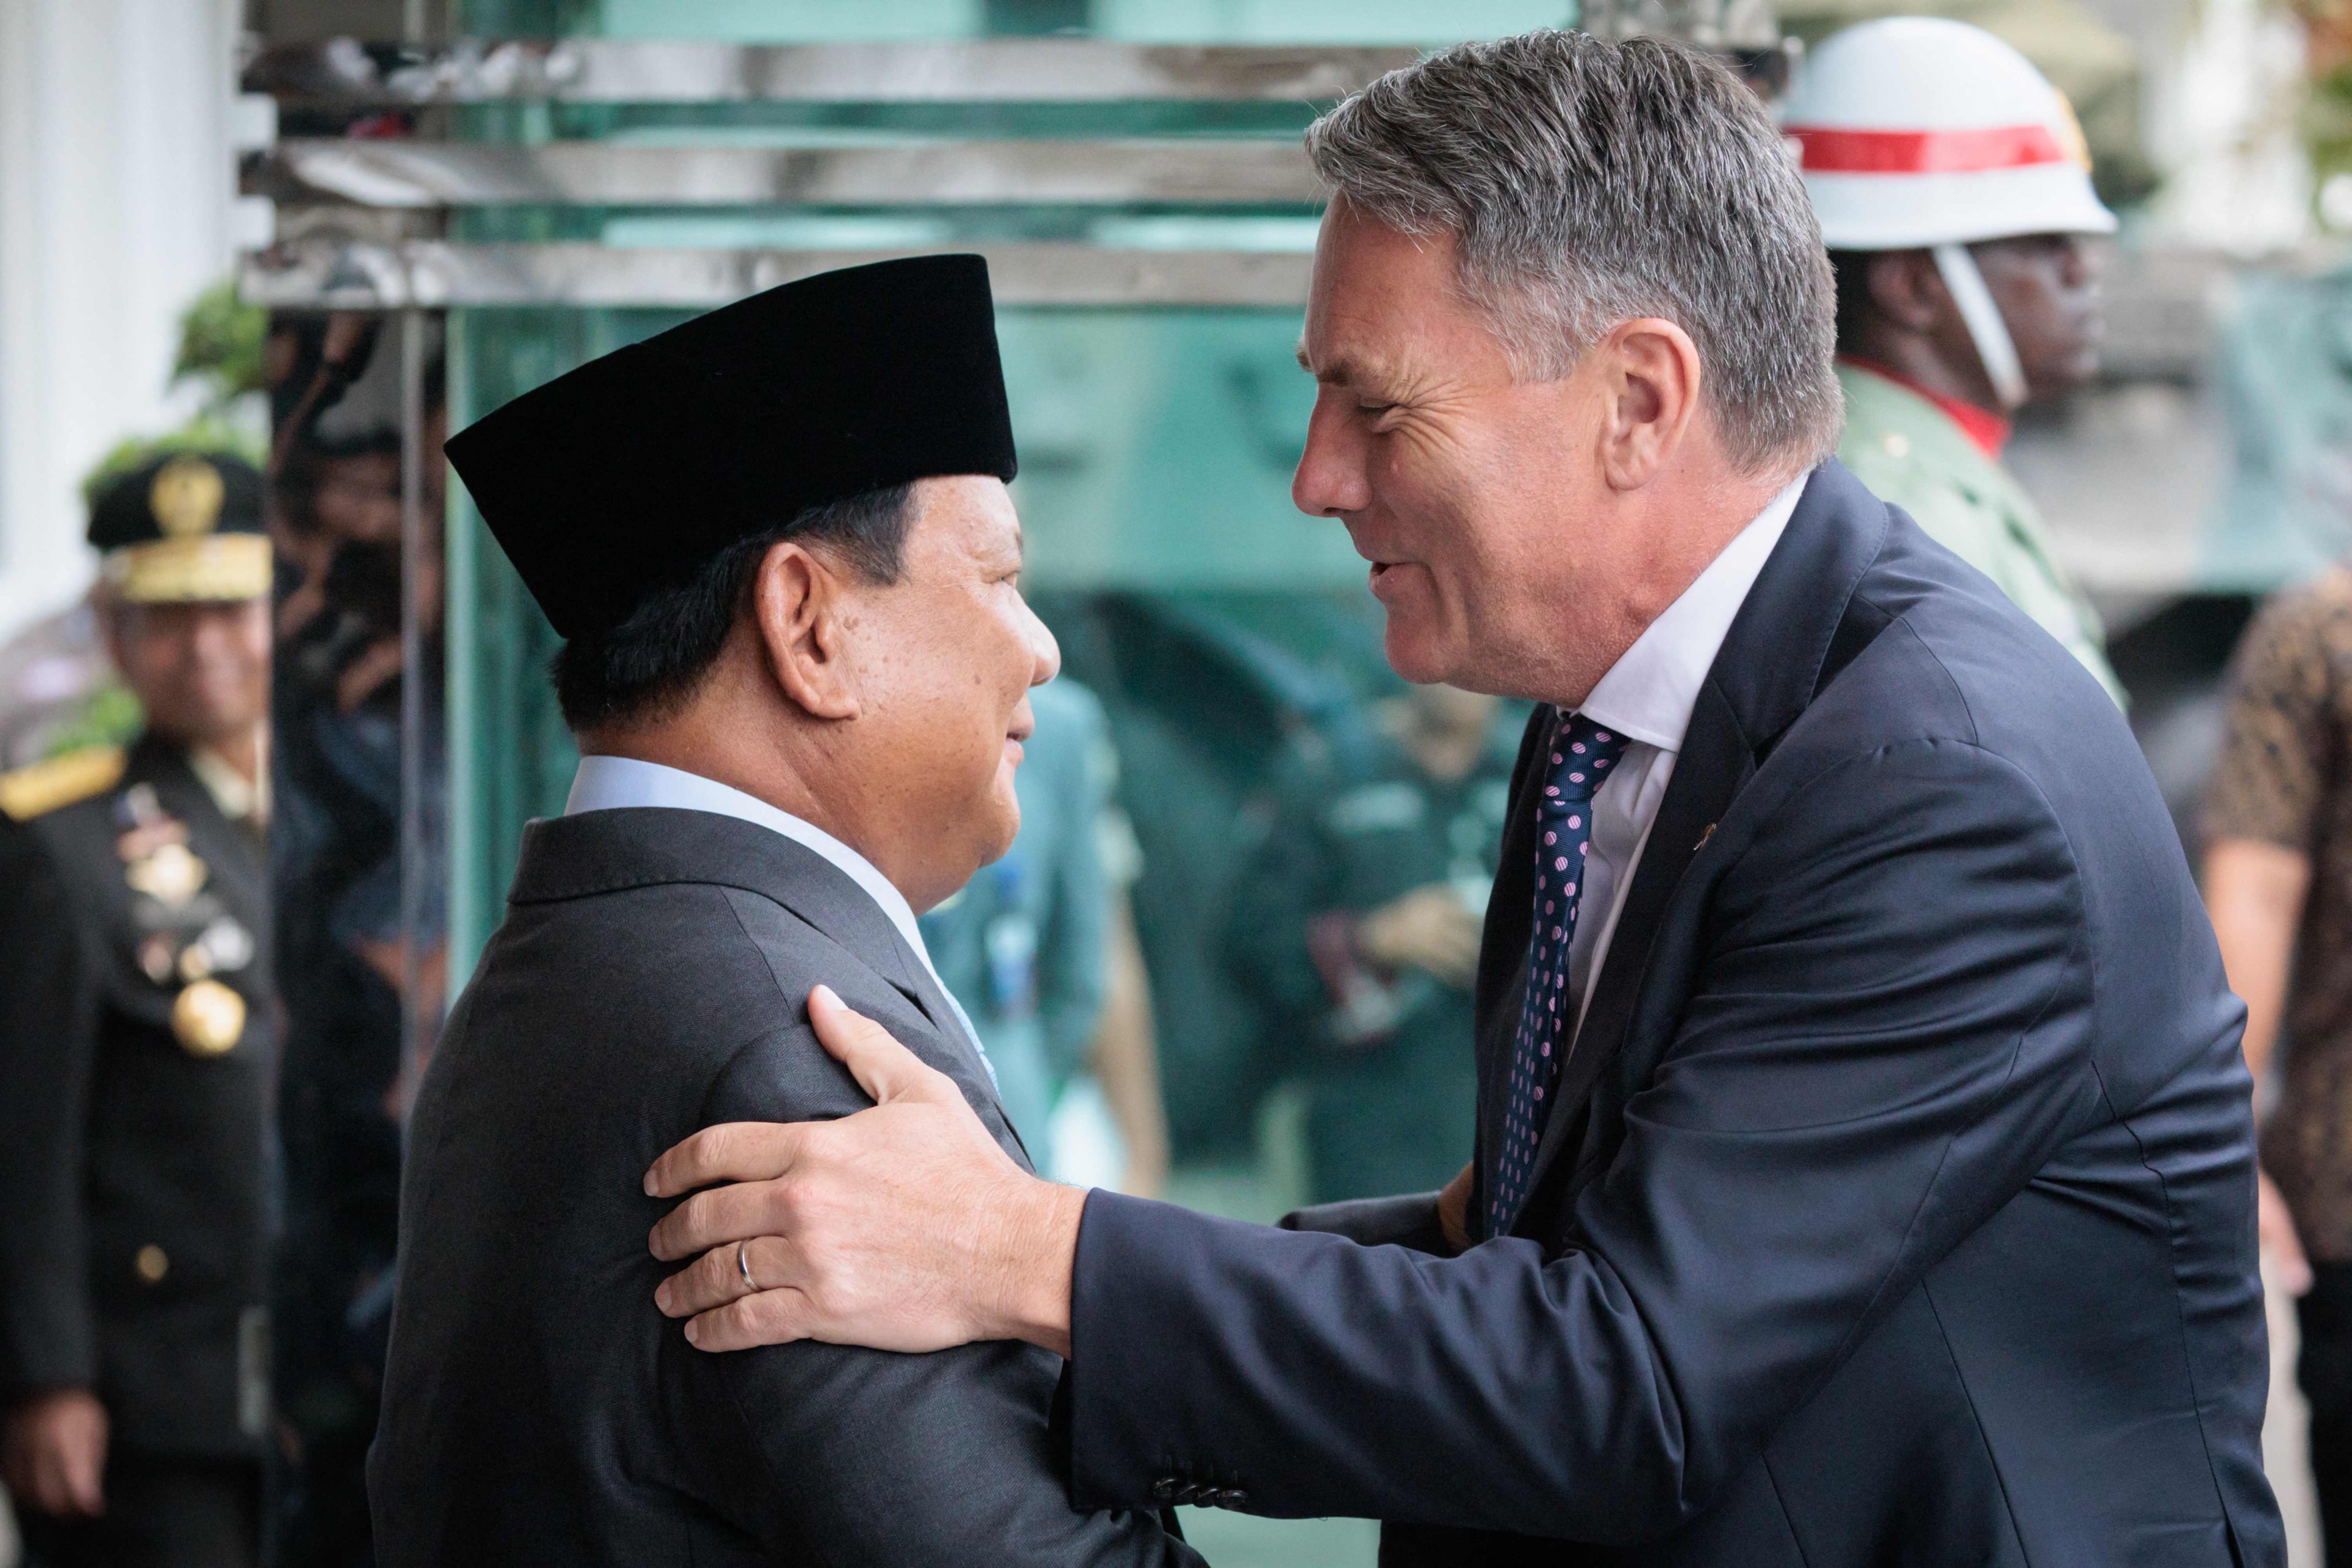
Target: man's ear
800,610
1652,379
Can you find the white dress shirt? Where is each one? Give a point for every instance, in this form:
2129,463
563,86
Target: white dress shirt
605,784
1647,696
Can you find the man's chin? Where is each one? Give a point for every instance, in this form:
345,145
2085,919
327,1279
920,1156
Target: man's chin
1008,817
1416,652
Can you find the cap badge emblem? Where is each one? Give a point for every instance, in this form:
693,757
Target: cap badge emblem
186,498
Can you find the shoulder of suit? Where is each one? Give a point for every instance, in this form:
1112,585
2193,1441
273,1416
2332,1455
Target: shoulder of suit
57,783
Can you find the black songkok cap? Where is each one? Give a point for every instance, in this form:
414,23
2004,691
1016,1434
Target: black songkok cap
182,526
629,472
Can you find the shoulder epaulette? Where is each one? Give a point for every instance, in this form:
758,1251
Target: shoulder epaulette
57,782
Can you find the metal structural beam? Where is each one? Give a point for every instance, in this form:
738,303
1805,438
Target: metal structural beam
399,173
354,275
343,72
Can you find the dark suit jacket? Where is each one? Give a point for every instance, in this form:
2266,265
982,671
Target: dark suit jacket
1900,1208
118,1145
650,979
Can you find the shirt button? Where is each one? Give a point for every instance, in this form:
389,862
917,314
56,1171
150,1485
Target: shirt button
152,1263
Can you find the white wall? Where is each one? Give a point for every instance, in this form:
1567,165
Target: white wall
116,183
2220,111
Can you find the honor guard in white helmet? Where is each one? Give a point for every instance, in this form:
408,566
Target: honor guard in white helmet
1954,192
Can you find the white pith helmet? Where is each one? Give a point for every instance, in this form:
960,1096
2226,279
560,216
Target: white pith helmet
1920,132
1917,131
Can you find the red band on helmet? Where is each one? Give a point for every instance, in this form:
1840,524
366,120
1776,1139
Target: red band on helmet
1835,149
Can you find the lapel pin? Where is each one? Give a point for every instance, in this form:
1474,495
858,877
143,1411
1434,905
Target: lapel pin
1703,838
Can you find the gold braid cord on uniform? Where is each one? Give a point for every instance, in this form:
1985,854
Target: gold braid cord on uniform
50,785
179,571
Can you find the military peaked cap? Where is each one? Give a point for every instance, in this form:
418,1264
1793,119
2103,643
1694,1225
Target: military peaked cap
629,472
182,527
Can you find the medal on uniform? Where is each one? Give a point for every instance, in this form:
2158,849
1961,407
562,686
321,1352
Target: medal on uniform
155,957
208,1020
171,876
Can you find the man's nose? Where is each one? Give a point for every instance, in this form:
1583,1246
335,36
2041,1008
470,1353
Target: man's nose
1046,652
2084,262
1332,480
206,642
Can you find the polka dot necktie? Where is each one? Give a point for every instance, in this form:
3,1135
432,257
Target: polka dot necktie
1583,753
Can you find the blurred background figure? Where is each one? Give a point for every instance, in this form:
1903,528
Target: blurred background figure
1954,191
1125,1080
360,922
1358,928
2278,884
58,690
1035,948
138,1040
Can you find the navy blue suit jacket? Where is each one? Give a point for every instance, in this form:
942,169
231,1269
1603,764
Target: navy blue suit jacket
1900,1206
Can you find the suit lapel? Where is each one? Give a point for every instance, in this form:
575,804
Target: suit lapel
1778,652
231,850
929,995
1715,761
841,908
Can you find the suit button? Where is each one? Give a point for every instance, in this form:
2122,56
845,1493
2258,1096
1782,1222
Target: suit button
1190,1493
152,1263
1232,1497
1163,1490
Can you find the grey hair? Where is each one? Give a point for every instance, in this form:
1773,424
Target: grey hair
1588,183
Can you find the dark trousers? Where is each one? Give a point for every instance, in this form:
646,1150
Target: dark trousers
160,1514
2324,1371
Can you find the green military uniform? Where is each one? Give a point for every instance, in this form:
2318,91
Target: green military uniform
138,1041
1391,1087
1910,452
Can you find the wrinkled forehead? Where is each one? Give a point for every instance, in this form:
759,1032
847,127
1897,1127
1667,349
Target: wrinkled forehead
1385,304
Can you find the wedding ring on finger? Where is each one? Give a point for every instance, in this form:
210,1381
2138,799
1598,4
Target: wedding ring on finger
743,1266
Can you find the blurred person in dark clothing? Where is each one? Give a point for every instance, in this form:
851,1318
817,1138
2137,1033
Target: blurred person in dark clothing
2278,886
1358,926
337,866
138,1044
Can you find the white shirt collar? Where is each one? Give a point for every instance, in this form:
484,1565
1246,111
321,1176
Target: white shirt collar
605,784
1650,691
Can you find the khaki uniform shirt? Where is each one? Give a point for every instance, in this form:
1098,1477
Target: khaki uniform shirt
1909,452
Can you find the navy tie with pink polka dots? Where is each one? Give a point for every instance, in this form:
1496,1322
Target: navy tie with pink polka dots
1583,753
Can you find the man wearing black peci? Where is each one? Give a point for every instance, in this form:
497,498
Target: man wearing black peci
778,545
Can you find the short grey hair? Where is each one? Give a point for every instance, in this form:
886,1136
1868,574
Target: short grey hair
1588,183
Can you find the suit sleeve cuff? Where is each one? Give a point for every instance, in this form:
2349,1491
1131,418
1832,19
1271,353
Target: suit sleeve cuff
1408,1221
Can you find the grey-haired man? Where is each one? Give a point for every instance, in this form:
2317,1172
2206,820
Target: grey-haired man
1864,1164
